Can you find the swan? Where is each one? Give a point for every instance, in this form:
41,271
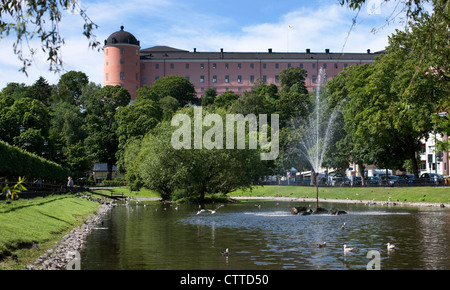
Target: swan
390,247
346,250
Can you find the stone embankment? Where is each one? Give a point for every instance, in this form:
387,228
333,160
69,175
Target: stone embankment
67,250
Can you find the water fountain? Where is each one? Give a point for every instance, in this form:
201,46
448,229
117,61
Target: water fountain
316,137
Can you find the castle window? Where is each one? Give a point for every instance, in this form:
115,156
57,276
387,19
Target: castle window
157,66
202,79
227,79
121,61
122,75
172,66
214,79
239,79
144,79
106,76
252,79
121,50
202,66
187,66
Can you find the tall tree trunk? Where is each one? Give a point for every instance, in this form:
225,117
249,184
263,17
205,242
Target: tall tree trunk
110,169
362,169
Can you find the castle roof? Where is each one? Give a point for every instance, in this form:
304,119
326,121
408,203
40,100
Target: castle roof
121,37
170,53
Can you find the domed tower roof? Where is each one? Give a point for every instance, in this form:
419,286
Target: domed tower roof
123,37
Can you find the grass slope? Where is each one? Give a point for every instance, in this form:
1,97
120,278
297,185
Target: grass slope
40,220
410,194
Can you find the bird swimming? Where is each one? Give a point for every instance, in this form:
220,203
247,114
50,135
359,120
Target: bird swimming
343,226
322,245
346,249
226,253
210,210
390,247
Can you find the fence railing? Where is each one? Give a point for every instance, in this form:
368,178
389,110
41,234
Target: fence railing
40,190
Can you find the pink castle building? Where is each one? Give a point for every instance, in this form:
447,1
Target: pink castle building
126,64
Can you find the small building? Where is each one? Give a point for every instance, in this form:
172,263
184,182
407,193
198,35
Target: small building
100,172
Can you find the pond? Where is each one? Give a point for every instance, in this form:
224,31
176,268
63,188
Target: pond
263,235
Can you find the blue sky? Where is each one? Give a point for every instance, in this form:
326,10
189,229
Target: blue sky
209,25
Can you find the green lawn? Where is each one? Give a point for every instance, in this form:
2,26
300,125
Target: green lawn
410,194
142,193
40,220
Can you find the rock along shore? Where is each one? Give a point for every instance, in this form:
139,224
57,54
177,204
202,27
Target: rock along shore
65,250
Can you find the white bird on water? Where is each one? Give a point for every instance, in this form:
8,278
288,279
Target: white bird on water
346,249
390,247
343,226
211,211
226,253
322,245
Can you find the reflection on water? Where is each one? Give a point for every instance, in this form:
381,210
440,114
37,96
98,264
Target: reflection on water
266,236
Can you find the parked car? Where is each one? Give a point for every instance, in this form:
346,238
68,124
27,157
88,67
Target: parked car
431,178
406,179
336,179
373,180
391,180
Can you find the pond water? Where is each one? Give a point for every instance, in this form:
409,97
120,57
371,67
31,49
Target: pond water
262,235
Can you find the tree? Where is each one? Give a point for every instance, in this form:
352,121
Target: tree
102,141
24,123
208,98
70,86
41,91
134,121
40,19
189,172
225,100
177,87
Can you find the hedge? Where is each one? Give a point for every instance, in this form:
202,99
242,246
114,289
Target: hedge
17,162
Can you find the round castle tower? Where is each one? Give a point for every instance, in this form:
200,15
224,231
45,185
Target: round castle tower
122,61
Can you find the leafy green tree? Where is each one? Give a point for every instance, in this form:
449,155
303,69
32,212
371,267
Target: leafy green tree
102,141
177,87
41,91
208,98
225,100
70,86
16,90
189,172
169,105
134,122
78,160
146,92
